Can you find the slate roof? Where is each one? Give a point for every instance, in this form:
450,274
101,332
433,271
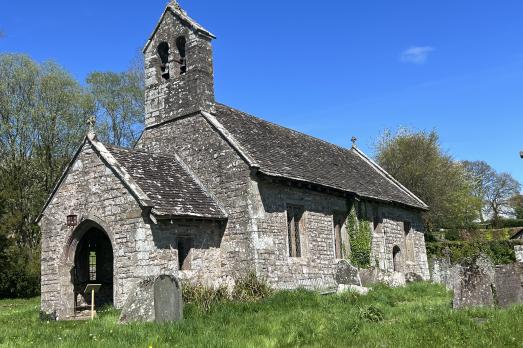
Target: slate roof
282,152
167,182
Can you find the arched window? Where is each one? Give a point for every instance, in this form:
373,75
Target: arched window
180,45
396,258
163,53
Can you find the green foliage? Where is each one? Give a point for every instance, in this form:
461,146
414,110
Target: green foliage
371,313
508,223
120,101
360,238
419,315
516,203
452,235
203,297
43,112
499,251
246,289
250,288
418,162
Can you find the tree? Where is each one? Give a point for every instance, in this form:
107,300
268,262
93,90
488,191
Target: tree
498,197
42,120
516,203
417,161
120,102
495,190
481,175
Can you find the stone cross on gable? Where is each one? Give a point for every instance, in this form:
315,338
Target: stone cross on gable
354,140
175,4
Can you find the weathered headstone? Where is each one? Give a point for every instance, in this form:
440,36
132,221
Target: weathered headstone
508,281
154,299
347,274
139,305
168,302
473,284
440,271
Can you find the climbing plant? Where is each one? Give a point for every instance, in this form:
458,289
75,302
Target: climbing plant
358,229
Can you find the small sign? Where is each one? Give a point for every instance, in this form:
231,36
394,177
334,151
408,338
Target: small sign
92,288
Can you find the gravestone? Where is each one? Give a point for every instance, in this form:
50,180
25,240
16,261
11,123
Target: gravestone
508,281
168,302
347,274
139,305
156,299
473,284
441,271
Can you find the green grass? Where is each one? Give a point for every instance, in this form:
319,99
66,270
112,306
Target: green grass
419,315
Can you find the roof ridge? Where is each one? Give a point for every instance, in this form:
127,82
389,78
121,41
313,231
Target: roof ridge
389,177
174,156
289,129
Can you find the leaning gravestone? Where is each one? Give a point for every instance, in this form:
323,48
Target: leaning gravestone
168,303
347,274
154,299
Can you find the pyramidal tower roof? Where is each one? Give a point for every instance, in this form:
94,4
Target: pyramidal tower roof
174,7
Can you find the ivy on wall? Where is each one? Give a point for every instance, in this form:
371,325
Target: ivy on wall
360,237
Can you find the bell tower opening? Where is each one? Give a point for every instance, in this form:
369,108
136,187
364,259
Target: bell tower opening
180,45
163,53
93,264
179,78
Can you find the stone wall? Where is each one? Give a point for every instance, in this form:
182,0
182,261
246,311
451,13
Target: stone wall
90,191
316,267
222,172
390,233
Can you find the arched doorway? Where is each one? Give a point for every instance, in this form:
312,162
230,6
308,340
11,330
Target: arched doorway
396,258
93,264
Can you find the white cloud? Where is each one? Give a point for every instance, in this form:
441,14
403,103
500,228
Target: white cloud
416,55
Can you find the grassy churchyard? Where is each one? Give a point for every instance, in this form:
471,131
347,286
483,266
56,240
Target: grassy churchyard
419,315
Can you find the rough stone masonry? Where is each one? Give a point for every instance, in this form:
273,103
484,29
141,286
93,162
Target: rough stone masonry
210,193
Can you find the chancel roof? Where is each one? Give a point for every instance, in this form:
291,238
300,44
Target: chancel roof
282,152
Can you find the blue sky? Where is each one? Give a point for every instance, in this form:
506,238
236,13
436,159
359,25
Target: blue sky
332,69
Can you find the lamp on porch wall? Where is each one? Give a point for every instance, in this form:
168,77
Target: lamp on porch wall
72,220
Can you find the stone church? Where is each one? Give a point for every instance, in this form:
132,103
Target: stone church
210,193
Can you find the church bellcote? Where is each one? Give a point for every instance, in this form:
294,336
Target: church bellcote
178,68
